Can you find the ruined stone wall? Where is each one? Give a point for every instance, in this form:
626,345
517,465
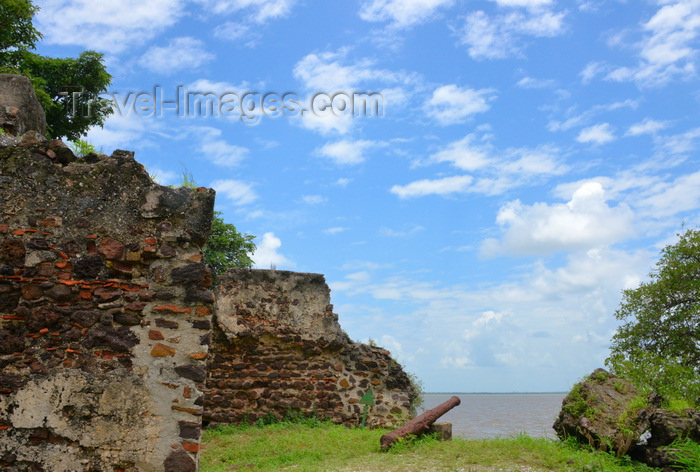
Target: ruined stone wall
277,347
105,314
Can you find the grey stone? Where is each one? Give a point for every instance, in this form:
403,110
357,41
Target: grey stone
20,110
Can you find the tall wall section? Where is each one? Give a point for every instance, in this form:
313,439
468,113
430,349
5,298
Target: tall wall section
277,348
105,313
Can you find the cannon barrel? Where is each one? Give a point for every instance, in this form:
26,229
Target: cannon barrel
419,424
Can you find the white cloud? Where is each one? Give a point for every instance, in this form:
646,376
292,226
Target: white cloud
598,134
586,221
123,130
266,254
313,199
663,200
180,53
495,171
666,50
347,152
402,13
532,83
217,150
328,124
335,230
164,177
444,186
648,126
259,11
592,70
488,319
682,143
325,72
585,117
232,31
205,86
525,162
495,330
388,232
238,192
464,154
451,104
524,3
331,73
504,35
105,25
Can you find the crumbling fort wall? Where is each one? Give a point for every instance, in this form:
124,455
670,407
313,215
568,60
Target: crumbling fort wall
106,319
277,349
105,309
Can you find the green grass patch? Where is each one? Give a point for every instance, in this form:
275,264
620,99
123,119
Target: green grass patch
319,446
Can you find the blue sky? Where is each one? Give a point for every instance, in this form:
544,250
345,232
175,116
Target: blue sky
530,160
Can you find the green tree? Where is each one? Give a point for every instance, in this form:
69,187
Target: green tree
658,346
16,29
227,248
68,88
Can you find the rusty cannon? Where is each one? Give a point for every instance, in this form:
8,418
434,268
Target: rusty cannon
419,424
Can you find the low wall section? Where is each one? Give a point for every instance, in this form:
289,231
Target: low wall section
277,348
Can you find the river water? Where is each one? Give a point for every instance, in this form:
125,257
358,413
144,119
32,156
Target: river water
488,415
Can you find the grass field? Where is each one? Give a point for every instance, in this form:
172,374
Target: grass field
316,446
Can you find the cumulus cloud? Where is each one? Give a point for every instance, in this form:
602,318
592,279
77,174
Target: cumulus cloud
401,13
180,53
266,254
451,104
586,221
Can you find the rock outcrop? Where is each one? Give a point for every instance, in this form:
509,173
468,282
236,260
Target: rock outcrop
20,110
607,413
278,349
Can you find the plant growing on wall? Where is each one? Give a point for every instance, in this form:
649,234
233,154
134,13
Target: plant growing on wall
226,248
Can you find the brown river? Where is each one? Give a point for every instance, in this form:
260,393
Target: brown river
488,415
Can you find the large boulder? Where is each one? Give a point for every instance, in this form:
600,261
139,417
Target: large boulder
605,412
20,110
608,413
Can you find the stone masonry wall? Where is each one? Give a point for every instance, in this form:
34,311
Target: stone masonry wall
105,313
277,347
